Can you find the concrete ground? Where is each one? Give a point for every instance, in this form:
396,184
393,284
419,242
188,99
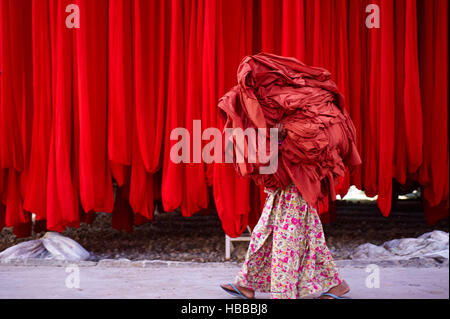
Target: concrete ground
187,280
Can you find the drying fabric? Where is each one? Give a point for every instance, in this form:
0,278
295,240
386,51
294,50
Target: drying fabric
320,139
82,109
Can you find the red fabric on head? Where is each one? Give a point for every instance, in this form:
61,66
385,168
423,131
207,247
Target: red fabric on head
320,139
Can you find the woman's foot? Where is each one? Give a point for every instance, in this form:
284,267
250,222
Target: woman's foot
245,291
338,290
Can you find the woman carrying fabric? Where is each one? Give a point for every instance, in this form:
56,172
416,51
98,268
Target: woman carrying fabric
287,254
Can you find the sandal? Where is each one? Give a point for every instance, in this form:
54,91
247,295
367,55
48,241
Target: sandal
235,292
333,296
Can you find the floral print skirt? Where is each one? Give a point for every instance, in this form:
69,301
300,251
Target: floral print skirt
287,255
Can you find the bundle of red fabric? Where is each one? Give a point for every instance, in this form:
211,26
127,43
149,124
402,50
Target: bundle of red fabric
320,137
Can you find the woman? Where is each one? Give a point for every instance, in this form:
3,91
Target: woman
287,255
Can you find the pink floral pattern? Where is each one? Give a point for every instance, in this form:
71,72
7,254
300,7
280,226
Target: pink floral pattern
287,254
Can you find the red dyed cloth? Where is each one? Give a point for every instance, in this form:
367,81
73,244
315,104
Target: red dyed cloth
321,139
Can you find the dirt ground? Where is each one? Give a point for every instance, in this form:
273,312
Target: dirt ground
200,238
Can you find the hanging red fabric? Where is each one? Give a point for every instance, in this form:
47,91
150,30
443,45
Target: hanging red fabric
195,196
433,174
16,112
173,173
96,191
62,184
83,107
36,184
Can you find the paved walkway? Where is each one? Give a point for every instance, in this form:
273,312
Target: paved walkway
196,280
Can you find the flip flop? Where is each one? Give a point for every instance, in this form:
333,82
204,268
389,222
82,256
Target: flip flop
235,293
334,296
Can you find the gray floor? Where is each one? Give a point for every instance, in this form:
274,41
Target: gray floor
201,280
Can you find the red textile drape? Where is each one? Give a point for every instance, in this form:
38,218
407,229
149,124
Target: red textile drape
83,108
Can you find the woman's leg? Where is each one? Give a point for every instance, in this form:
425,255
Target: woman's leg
287,254
273,257
301,261
319,272
255,272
